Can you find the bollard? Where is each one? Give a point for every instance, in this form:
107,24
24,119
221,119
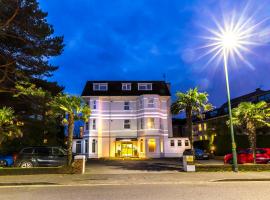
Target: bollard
188,161
79,164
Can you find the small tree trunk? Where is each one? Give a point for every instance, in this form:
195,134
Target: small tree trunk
189,124
252,139
70,137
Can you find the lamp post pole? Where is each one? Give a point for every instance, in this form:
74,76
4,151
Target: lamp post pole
235,166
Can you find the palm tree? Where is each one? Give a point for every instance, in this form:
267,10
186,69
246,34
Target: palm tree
250,116
9,126
193,103
75,109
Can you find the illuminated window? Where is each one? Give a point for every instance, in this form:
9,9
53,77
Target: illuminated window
172,143
179,143
94,124
161,146
144,86
200,127
126,124
151,103
150,123
151,145
126,86
141,146
126,105
205,126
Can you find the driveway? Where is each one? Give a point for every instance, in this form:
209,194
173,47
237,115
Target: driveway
105,166
113,166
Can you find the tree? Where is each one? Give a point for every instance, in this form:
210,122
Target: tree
9,126
26,43
193,103
249,117
75,109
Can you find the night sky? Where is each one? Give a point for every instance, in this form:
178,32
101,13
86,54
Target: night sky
143,40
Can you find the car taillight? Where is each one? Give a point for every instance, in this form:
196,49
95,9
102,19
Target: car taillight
15,156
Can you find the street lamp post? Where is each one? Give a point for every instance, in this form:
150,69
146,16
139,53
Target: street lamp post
235,166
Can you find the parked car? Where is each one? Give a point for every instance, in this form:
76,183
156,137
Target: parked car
6,161
246,156
201,154
41,156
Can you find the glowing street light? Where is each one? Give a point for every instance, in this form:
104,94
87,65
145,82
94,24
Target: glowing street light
230,40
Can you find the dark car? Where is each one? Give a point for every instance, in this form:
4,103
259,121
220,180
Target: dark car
41,156
200,154
246,156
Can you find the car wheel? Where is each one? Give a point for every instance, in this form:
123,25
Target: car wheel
26,164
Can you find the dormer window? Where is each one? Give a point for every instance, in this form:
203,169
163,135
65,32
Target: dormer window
144,86
126,86
100,86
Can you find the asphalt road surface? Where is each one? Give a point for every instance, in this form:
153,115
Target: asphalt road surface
249,190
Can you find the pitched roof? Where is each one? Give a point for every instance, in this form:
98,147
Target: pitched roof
115,88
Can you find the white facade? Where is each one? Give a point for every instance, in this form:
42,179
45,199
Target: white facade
129,126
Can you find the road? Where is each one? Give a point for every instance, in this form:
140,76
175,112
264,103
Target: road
249,190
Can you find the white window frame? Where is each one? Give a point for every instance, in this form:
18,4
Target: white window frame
99,86
126,86
87,126
179,142
126,105
127,124
145,86
172,143
151,103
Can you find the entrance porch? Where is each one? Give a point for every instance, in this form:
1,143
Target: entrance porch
126,147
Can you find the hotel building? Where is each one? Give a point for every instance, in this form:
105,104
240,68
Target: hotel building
129,119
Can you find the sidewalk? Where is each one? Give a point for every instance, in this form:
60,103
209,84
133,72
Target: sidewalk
127,179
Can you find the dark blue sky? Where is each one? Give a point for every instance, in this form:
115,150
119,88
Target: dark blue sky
142,40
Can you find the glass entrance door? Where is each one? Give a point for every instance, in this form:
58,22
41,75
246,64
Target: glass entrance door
127,149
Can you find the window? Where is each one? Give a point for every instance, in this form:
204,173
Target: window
94,105
141,103
144,86
126,105
100,86
43,151
264,97
213,113
160,124
27,151
86,146
126,86
150,123
126,124
172,143
86,125
94,146
141,123
94,124
179,143
186,143
58,152
151,145
78,146
151,103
